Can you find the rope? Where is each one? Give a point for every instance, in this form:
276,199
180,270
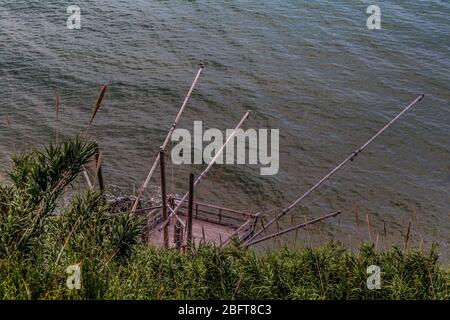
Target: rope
171,167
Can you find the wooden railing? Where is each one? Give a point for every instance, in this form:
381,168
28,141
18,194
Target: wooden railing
216,214
243,222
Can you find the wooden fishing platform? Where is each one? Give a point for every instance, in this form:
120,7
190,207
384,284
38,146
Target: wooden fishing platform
184,222
210,224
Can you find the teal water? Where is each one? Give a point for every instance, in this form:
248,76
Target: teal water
310,68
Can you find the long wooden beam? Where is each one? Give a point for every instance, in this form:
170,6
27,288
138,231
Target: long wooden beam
167,140
331,215
351,157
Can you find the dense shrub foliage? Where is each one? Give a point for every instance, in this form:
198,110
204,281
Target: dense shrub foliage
329,272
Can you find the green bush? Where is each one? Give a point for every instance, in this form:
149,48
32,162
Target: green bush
328,272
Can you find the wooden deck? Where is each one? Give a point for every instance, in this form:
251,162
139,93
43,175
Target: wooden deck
214,233
210,224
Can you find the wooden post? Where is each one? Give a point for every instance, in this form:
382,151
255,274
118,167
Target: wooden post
190,210
177,228
203,235
178,235
101,184
163,196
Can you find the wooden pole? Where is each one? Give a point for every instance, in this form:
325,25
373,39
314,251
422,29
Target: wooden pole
167,140
163,195
99,172
177,228
351,157
190,210
306,224
203,235
178,235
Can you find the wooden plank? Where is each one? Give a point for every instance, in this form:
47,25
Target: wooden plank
211,230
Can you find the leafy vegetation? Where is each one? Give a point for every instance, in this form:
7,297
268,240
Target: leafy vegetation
40,238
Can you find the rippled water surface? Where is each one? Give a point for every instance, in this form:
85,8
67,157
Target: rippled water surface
310,68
